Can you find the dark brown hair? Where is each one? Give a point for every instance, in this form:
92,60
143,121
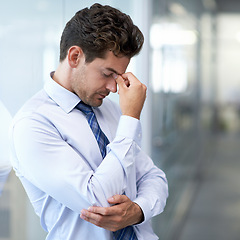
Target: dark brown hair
99,29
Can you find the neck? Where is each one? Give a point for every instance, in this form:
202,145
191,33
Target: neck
62,75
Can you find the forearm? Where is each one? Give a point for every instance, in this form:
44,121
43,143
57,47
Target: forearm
53,166
152,193
117,171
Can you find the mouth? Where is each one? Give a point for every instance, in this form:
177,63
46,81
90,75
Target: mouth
103,95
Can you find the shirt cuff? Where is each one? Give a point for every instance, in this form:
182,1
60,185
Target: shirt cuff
130,127
142,203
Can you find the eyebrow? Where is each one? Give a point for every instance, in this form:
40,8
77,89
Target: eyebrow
113,70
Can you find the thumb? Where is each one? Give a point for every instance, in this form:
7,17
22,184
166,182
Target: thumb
116,199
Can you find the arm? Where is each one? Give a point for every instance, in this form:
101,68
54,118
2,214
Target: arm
152,193
44,157
49,162
152,190
152,187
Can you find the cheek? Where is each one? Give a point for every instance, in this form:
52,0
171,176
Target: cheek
97,82
94,81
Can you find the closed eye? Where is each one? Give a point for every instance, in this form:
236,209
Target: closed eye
107,75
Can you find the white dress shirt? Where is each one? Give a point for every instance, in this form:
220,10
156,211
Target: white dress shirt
57,159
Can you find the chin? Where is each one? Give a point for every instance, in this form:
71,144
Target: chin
97,103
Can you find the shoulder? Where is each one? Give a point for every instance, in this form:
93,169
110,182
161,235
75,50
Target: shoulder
34,109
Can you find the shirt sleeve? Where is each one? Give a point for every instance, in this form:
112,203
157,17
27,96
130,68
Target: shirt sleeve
151,182
53,166
152,187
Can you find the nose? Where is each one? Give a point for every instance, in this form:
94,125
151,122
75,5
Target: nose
112,85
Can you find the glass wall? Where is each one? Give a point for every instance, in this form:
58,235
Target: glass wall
29,39
177,111
195,95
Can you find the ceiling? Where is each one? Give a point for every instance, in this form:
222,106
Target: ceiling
216,6
199,6
228,6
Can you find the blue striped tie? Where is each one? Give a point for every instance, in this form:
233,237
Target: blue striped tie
92,121
126,233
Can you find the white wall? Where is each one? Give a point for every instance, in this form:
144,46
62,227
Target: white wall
228,58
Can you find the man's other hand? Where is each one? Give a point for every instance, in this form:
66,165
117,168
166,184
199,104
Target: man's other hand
123,213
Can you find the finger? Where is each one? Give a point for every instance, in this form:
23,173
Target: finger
110,223
114,210
99,210
116,199
85,214
130,78
120,81
90,217
127,83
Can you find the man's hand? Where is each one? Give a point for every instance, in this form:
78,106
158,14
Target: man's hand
122,214
132,94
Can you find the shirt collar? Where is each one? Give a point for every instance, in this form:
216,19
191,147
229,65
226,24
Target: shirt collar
63,97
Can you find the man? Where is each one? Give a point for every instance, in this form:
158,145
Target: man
80,189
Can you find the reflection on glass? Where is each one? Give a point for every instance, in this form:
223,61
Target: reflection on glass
174,44
169,69
4,148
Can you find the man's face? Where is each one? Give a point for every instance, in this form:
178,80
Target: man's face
92,82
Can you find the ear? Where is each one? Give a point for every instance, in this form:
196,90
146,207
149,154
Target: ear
75,56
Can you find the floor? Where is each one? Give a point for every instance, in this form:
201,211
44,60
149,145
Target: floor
215,211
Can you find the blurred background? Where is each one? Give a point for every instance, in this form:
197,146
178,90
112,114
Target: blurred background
191,119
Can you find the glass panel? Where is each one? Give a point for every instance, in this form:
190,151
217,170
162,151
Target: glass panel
29,39
29,45
174,38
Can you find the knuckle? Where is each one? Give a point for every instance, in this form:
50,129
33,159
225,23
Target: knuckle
98,224
124,213
144,87
104,211
99,220
120,217
139,84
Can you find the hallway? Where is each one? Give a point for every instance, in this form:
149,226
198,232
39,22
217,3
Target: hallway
215,211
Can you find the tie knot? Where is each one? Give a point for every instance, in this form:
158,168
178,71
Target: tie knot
86,109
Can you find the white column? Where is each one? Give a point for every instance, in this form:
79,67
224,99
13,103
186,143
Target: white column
142,12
